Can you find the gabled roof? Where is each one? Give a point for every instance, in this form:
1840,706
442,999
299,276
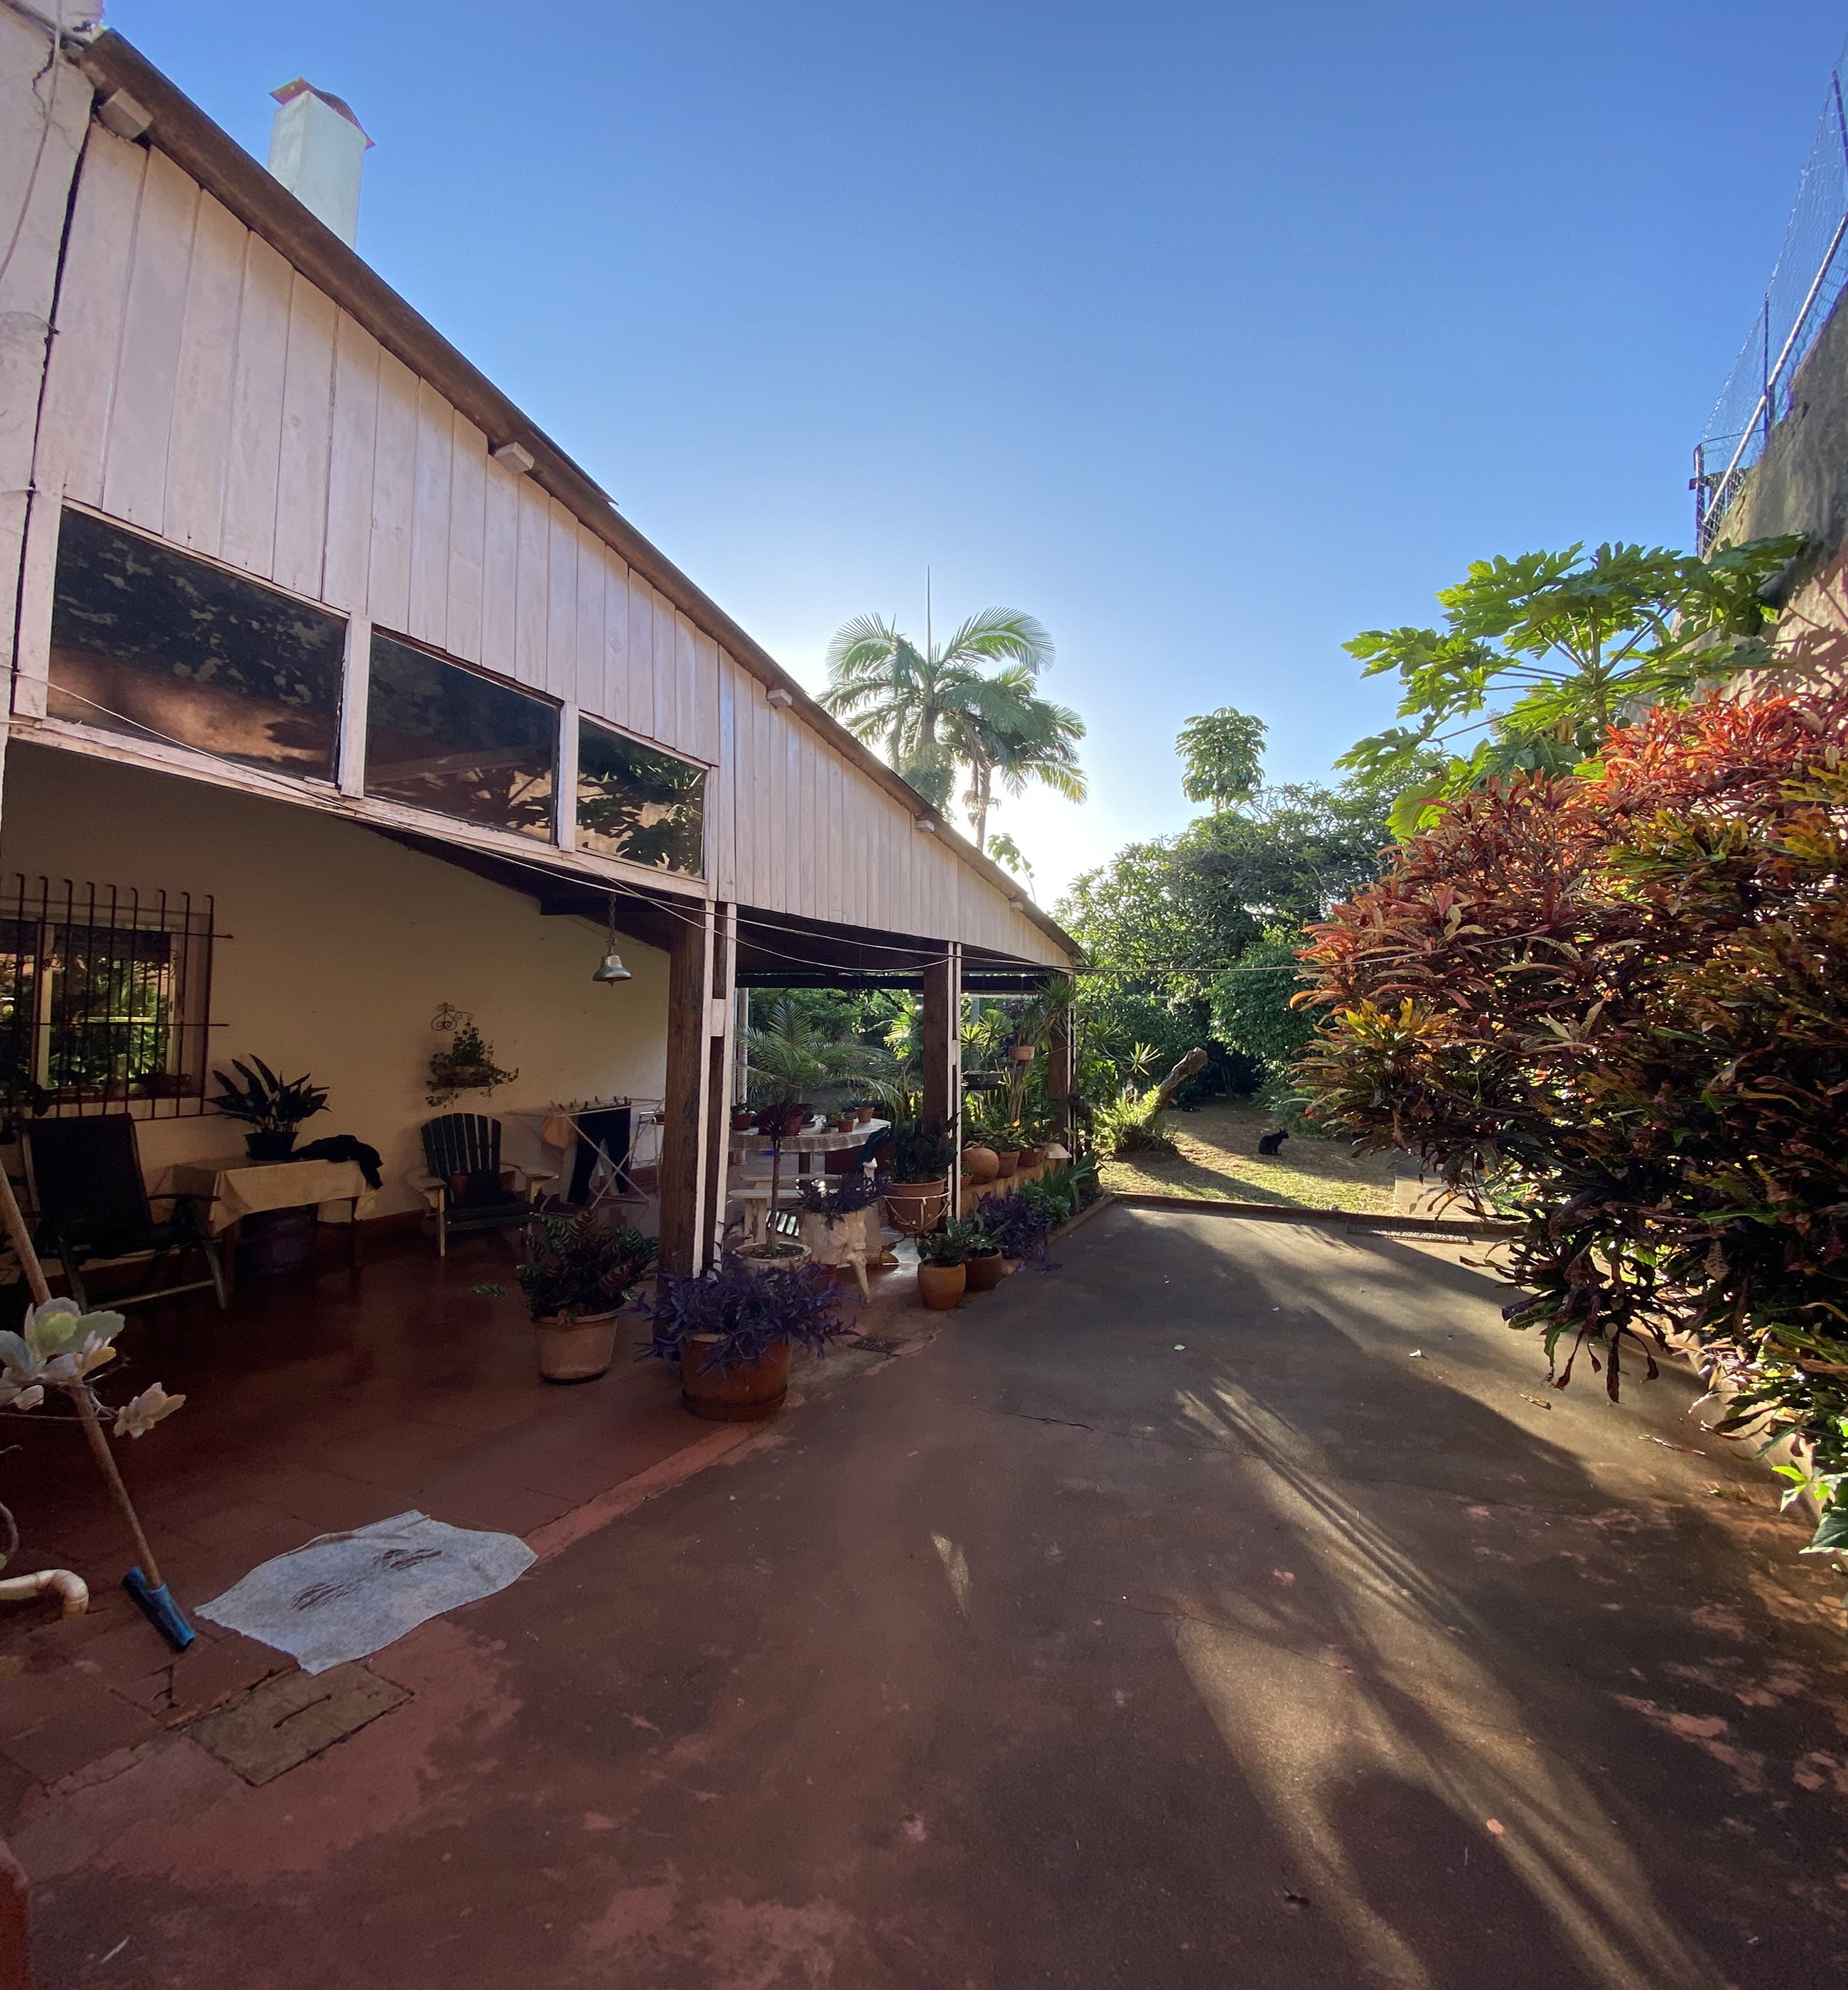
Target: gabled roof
210,155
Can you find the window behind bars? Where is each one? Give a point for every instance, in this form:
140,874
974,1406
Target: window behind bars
105,997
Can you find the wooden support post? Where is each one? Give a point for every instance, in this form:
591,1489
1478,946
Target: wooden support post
1062,1067
943,1046
721,1009
684,1117
700,965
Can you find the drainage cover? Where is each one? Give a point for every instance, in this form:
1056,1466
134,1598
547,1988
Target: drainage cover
296,1715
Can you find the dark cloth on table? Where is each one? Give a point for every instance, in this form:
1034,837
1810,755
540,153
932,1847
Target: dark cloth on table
607,1131
343,1147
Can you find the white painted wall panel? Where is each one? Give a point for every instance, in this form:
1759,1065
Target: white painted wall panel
467,525
198,437
394,496
307,407
135,476
500,564
248,539
347,562
200,389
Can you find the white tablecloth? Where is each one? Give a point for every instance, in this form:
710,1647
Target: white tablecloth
237,1187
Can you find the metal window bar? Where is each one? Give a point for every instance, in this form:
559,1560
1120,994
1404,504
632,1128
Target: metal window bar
105,999
1806,282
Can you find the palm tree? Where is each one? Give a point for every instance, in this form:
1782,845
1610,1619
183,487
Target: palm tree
1034,740
919,704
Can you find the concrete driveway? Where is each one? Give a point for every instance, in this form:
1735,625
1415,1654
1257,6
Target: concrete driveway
1223,1609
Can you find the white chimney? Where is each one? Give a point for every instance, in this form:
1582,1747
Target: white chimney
318,150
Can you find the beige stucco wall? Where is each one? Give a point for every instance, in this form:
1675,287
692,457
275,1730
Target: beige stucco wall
343,944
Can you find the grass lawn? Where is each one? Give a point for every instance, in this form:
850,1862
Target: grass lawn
1219,1162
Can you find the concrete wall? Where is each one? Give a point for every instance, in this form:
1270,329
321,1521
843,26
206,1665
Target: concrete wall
343,944
1800,484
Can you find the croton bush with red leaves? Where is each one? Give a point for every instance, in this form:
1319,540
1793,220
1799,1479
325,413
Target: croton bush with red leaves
1615,1005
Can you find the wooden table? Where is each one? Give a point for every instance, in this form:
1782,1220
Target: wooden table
236,1186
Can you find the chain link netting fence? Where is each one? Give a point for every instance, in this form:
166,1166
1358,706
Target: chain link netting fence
1811,272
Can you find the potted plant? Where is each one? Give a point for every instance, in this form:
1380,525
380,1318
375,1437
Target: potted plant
467,1064
777,1123
1008,1151
916,1165
743,1119
730,1332
577,1274
980,1164
1020,1225
838,1222
985,1267
272,1108
1035,1134
943,1267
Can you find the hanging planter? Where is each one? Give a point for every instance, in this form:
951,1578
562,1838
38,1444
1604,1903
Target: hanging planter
467,1063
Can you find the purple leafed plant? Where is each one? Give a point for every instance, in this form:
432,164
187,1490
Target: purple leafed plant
749,1313
1019,1227
852,1191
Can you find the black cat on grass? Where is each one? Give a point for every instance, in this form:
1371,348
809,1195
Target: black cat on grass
1272,1142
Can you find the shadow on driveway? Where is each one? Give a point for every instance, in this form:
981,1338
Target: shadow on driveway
1224,1608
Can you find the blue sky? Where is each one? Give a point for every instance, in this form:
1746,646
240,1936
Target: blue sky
1210,335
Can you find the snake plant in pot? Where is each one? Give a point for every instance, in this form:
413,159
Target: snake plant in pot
731,1333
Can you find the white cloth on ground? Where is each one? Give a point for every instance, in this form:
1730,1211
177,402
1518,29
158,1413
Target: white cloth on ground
345,1596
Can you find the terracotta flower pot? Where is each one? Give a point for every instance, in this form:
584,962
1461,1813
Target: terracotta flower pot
783,1255
941,1286
743,1122
1032,1157
985,1272
1008,1159
576,1350
265,1145
915,1206
980,1164
1023,1053
746,1393
863,1116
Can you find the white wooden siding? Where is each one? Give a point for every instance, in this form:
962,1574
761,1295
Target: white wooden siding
202,389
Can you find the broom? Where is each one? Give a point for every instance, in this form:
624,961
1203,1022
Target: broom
143,1582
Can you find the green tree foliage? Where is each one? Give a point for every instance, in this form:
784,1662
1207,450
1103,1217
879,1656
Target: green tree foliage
1541,655
1003,848
935,710
1253,1005
1164,919
1621,999
1222,757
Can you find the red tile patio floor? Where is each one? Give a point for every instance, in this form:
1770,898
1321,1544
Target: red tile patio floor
314,1403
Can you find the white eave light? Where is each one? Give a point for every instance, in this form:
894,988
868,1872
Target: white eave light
780,696
510,456
927,823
